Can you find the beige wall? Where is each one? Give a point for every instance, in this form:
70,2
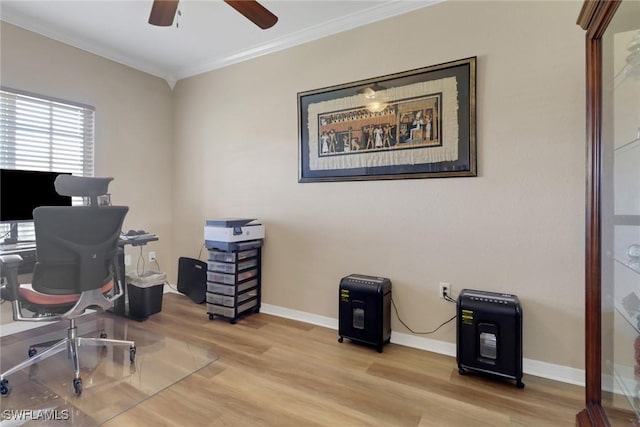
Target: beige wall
518,227
133,123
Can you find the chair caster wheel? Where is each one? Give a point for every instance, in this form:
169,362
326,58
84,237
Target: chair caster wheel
340,339
210,316
5,388
103,335
132,354
461,371
77,386
32,352
519,384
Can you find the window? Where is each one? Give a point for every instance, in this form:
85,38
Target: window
40,133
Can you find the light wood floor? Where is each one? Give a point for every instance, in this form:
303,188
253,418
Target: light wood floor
277,372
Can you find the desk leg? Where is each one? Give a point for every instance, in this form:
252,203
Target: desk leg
119,306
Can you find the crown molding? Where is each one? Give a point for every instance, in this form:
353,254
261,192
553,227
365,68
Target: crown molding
380,12
85,45
348,22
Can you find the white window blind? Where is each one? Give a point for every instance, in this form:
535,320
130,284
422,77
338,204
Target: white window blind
41,133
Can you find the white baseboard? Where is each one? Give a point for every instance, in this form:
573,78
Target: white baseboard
302,316
552,371
537,368
170,289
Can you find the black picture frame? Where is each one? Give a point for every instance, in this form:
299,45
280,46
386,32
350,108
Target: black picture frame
415,124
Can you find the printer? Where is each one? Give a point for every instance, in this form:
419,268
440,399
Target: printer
230,230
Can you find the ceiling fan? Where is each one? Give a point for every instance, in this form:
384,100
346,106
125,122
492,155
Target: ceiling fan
164,11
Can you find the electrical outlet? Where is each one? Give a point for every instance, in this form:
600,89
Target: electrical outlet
152,256
445,289
127,260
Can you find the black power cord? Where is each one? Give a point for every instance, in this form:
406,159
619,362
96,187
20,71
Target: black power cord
166,282
446,298
201,248
140,258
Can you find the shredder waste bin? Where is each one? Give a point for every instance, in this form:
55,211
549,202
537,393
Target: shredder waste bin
145,293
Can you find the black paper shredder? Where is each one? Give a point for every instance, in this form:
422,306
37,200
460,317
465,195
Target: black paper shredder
489,334
365,310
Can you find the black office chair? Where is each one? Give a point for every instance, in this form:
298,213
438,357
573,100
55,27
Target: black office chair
76,269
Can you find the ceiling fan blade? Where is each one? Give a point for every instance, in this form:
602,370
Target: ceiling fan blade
163,12
254,12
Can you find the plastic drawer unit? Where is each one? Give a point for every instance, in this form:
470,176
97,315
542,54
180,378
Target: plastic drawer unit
233,280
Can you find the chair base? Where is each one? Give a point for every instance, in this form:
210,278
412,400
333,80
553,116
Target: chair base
71,344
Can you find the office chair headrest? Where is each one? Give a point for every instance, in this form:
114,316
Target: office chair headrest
83,186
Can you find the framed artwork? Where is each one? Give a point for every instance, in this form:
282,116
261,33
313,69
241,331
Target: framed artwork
416,124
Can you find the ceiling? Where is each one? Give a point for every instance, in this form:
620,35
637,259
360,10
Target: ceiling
209,33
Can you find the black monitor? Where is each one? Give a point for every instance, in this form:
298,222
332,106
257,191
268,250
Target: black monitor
21,191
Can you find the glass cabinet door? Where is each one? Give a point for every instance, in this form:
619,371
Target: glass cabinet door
620,221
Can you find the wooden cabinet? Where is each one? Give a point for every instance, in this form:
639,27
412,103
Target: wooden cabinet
612,315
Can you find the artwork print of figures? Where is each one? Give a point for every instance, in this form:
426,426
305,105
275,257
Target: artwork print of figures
414,124
403,124
416,130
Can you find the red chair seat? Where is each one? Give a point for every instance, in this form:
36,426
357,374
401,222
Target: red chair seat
38,298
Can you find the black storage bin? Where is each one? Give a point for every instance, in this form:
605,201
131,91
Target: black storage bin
489,334
365,310
143,302
144,292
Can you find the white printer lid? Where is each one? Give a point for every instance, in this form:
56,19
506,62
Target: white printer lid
229,222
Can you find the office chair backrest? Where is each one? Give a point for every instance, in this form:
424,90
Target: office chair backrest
75,247
82,186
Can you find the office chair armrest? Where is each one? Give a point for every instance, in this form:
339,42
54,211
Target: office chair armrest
9,266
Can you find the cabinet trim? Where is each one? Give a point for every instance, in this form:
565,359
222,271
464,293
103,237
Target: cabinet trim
594,18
